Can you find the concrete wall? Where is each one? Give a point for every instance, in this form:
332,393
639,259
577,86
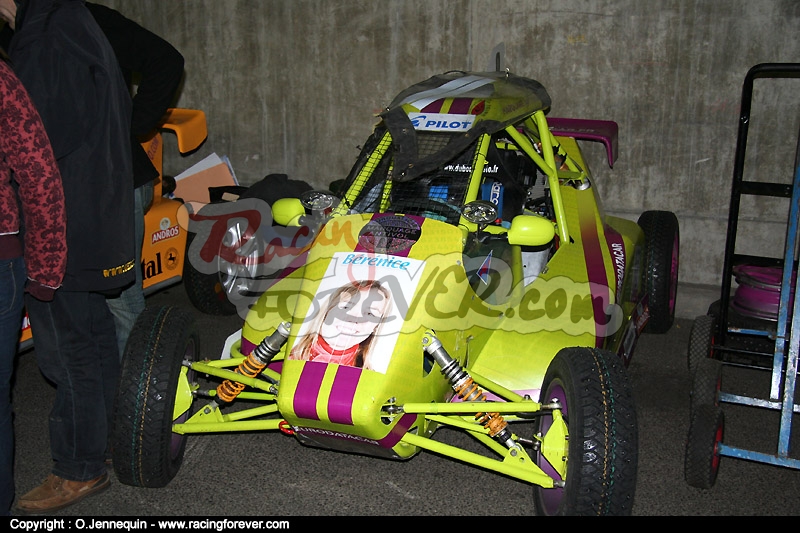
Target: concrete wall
292,87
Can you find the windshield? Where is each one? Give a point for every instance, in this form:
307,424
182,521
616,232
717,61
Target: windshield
438,194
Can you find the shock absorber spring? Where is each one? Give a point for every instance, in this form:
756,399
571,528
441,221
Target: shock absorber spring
255,363
467,389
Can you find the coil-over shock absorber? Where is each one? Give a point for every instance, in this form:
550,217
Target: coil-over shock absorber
467,389
255,362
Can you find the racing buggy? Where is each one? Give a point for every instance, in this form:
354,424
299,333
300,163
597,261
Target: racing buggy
464,276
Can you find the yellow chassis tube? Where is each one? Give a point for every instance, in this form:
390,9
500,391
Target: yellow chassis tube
513,462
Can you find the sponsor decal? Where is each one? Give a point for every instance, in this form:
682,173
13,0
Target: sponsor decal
467,169
118,270
332,434
389,234
441,122
165,233
155,266
172,259
152,267
618,255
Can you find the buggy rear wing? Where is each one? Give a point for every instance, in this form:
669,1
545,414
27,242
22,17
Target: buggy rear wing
605,131
189,126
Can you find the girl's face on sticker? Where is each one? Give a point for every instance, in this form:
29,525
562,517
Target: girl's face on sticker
354,317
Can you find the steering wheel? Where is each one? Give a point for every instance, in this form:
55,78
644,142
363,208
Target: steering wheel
435,206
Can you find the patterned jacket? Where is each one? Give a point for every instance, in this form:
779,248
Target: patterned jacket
26,159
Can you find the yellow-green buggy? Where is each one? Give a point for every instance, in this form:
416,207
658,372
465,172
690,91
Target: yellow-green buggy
465,275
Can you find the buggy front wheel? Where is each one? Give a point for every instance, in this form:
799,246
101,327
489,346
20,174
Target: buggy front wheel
601,448
145,451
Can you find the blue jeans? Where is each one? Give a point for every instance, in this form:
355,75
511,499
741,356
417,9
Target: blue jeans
128,305
12,285
76,349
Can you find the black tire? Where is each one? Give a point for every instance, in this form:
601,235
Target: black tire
662,247
706,383
701,462
602,445
146,453
701,340
207,292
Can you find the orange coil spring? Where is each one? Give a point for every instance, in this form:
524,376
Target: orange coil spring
229,390
470,392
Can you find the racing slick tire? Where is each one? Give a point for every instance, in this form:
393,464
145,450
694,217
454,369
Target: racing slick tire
145,451
662,246
207,292
701,340
601,447
706,383
701,461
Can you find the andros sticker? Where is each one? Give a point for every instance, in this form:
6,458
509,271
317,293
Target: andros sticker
166,231
441,122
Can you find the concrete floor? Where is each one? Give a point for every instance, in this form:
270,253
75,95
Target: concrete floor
271,475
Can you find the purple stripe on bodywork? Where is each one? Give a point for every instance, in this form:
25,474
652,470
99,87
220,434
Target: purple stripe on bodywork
434,107
460,106
307,391
340,403
595,266
398,431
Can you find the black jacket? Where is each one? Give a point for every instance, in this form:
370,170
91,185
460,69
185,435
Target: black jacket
158,68
66,64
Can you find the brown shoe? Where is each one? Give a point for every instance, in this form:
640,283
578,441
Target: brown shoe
56,493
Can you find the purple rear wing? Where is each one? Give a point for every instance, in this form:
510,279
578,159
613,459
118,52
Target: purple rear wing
605,131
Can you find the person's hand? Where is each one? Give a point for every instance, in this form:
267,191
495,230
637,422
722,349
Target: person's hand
8,12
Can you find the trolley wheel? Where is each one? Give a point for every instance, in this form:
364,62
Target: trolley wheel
701,340
662,244
701,462
601,448
706,383
146,453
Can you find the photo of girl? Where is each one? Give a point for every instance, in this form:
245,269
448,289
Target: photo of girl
345,331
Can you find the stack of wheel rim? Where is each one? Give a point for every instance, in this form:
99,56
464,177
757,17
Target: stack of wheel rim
759,292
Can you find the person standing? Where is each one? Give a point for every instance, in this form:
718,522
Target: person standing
67,65
159,70
31,195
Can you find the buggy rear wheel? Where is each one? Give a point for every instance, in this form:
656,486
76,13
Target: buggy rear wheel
662,246
146,453
601,448
701,462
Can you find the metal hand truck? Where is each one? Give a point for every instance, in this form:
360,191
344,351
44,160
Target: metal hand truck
750,329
